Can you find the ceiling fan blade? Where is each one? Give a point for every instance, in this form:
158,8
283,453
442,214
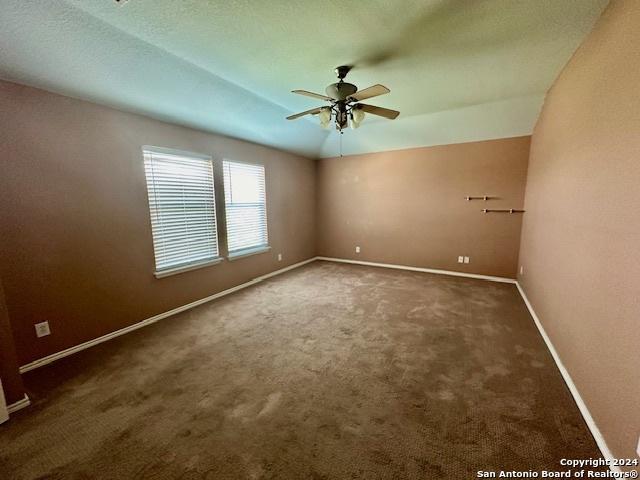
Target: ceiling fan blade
373,91
311,94
313,111
382,112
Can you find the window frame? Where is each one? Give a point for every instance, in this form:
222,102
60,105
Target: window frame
186,266
247,251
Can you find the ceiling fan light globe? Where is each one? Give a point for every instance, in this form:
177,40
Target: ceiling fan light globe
325,117
358,115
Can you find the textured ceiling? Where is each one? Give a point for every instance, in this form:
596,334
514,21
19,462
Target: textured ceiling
458,70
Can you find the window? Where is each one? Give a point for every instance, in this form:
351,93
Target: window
182,207
244,196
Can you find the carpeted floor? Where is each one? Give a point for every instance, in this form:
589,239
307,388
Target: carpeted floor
330,371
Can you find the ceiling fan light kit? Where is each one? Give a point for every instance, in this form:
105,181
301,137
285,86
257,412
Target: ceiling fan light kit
345,108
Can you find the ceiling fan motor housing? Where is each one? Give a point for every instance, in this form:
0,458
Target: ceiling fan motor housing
341,90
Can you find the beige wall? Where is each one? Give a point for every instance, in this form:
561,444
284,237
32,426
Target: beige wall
581,232
75,234
407,207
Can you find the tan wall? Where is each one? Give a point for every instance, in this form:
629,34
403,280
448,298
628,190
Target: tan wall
11,380
581,232
407,207
75,234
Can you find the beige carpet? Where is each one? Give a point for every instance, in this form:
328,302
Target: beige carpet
327,372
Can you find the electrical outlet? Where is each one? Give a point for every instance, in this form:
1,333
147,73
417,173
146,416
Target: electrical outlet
42,329
460,259
357,249
279,257
521,269
466,259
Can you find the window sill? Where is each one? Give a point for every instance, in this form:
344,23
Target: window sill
186,268
248,252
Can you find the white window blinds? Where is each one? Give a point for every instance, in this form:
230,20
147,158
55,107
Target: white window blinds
245,205
182,206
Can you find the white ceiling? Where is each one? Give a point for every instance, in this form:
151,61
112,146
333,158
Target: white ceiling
458,70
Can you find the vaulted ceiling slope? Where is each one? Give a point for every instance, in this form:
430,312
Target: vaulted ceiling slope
458,70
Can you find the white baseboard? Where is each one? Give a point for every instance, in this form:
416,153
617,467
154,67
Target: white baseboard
19,405
420,269
143,323
595,431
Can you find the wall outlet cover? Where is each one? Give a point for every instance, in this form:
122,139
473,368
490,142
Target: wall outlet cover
460,259
521,270
42,329
279,257
466,259
357,249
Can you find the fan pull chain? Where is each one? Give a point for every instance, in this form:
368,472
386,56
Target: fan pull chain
341,133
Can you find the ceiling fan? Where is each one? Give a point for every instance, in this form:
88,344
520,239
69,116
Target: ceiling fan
344,99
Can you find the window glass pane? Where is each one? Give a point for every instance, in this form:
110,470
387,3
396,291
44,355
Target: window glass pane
182,208
245,205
